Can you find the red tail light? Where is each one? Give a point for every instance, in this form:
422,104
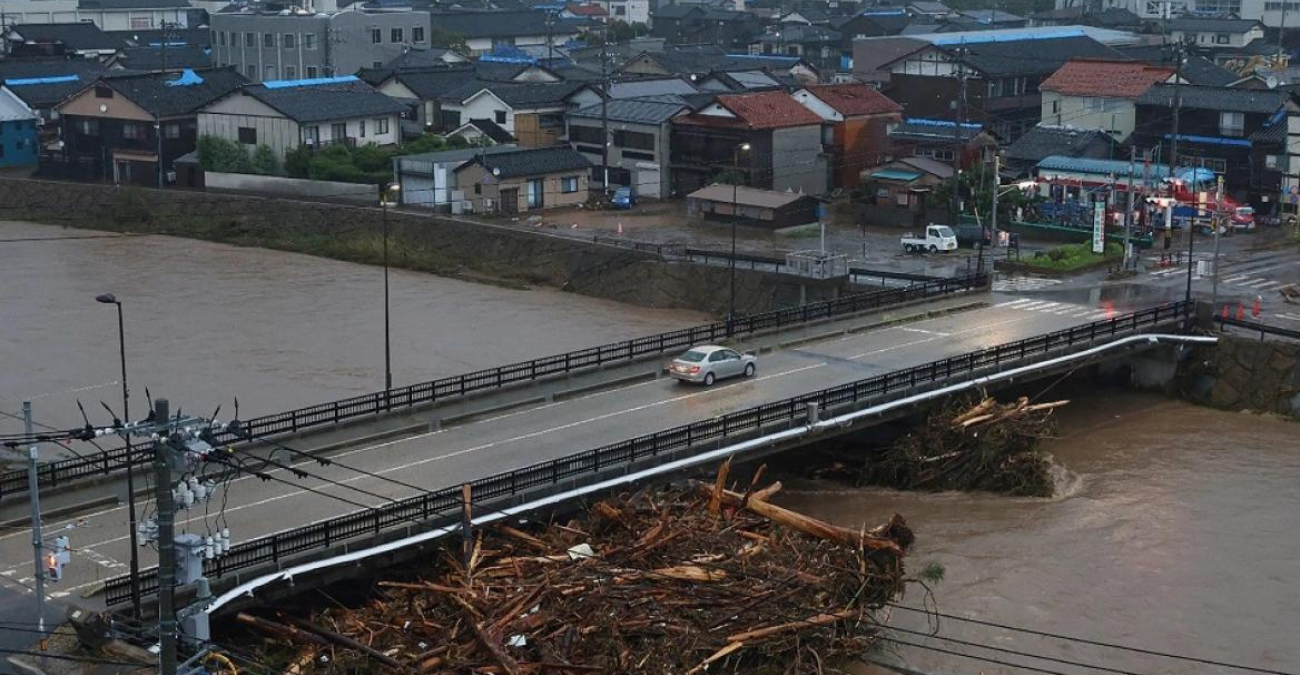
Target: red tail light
695,369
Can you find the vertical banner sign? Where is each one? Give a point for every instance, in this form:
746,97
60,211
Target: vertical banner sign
1098,227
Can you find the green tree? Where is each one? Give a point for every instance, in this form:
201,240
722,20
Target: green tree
219,154
425,143
441,37
621,31
264,161
297,162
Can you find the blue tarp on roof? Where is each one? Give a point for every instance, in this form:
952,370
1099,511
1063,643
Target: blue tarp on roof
883,12
1213,140
976,38
160,45
1100,167
310,82
941,123
188,78
894,174
56,79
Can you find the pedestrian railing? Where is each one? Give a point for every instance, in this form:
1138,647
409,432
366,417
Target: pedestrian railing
1263,328
443,505
426,393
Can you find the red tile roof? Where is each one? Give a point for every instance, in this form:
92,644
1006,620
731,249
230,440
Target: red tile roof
1113,79
768,110
586,10
854,99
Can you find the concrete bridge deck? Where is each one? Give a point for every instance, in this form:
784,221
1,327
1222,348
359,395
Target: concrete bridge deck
545,429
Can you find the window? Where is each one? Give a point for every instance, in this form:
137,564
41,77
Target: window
248,135
376,64
312,72
620,10
376,36
589,149
569,184
221,38
632,154
251,72
501,117
396,36
250,39
141,23
635,140
291,72
417,34
1221,39
941,154
171,131
270,73
268,40
339,131
88,127
289,41
1232,123
309,41
103,92
1056,107
580,134
450,119
1272,161
361,129
381,126
132,132
311,135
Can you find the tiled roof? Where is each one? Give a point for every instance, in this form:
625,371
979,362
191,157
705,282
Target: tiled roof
799,33
519,94
586,10
992,16
1120,168
132,4
1274,134
81,35
1115,16
768,110
769,199
492,130
1224,99
854,99
151,58
637,111
325,102
532,162
1043,141
1116,79
1029,56
1200,70
431,83
486,24
656,87
162,95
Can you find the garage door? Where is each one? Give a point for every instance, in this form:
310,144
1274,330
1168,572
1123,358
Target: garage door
647,183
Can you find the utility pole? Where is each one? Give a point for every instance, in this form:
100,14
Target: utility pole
954,209
604,109
997,185
1128,206
1218,222
1178,105
158,125
166,542
38,544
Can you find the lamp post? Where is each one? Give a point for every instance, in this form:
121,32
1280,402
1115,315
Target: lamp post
110,299
735,215
385,191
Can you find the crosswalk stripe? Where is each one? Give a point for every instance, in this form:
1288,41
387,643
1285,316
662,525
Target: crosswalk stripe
1271,285
1256,284
1237,277
1013,303
1289,316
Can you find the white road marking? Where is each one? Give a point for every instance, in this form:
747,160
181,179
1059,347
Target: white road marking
922,330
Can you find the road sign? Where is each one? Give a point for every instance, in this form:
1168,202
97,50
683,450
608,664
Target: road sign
1098,227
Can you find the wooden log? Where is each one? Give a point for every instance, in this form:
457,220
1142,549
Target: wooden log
344,641
507,663
280,630
523,536
691,573
300,665
766,493
811,622
719,484
426,586
980,408
797,521
721,653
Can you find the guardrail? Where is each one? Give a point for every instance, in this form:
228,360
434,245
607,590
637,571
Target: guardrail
446,502
1259,326
424,393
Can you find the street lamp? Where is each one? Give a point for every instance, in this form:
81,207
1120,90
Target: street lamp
385,191
735,215
110,299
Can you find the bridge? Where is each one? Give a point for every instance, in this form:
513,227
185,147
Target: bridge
525,431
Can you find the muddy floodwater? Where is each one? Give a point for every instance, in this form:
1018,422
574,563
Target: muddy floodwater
207,323
1177,530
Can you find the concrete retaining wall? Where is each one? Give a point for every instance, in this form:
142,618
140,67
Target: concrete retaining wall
295,187
1242,373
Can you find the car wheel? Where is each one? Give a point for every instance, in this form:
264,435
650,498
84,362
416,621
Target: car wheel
907,248
749,370
708,379
934,249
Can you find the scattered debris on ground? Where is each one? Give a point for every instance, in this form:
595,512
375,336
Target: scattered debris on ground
965,445
671,581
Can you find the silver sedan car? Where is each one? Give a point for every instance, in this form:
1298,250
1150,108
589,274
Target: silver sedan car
707,364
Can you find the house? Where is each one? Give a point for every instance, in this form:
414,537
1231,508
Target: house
807,15
588,12
1269,165
817,45
991,71
524,180
531,112
937,139
629,11
1215,127
897,193
271,45
881,22
769,209
1098,94
1117,18
767,139
112,15
692,24
43,83
59,39
170,57
131,128
430,88
1217,32
995,18
1041,141
429,179
19,135
484,31
859,119
640,131
482,132
928,9
286,114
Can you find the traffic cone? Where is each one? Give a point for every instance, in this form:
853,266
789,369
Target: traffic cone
1227,313
1241,311
620,228
1254,310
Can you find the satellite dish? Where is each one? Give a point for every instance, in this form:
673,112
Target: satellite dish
496,171
103,107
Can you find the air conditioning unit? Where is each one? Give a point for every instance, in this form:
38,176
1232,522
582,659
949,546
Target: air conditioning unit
489,205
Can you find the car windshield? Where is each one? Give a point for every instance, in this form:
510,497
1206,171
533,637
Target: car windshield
692,356
943,231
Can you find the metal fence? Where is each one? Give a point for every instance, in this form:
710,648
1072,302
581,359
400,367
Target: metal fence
425,393
445,503
1260,326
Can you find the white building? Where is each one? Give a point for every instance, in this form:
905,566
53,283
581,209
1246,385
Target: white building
107,14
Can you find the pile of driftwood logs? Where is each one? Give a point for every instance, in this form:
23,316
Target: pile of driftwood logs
965,445
655,582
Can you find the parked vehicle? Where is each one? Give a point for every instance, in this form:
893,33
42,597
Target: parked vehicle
624,198
937,238
973,235
707,364
1242,219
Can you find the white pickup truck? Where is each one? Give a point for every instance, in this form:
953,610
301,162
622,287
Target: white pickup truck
937,238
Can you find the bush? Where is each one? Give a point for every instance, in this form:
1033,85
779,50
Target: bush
1074,256
264,161
297,162
219,154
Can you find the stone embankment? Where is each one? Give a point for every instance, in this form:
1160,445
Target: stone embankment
1244,373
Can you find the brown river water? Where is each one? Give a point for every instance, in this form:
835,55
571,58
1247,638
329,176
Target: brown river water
1177,528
